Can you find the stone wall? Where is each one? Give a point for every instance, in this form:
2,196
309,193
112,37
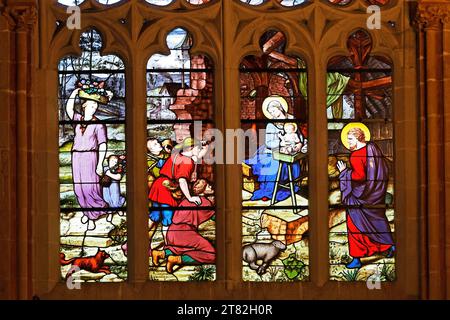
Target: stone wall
29,232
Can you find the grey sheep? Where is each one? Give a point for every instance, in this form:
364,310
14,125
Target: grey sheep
266,252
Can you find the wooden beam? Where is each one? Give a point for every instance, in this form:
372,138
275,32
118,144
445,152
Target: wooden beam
273,42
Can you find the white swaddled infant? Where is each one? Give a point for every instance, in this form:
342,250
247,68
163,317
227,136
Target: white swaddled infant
289,138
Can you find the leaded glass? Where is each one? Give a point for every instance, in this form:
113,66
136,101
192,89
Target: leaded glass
92,171
361,164
180,179
274,115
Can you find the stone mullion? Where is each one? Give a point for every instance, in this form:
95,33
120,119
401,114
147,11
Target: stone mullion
19,20
23,163
136,136
431,15
232,211
407,157
318,161
8,160
423,170
220,169
434,161
318,175
446,85
136,199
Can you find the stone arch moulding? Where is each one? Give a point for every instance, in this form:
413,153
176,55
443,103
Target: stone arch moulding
383,45
116,37
66,42
298,40
355,4
389,35
153,39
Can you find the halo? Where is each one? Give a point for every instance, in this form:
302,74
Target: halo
351,125
292,124
268,100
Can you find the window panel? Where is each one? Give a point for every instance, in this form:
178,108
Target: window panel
92,170
340,2
286,3
78,2
371,2
361,164
274,117
292,3
71,2
378,2
181,188
160,2
198,2
109,1
253,2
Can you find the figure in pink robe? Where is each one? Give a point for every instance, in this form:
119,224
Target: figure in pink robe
184,244
88,153
84,164
183,237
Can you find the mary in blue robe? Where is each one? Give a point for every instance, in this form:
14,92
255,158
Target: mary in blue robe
265,167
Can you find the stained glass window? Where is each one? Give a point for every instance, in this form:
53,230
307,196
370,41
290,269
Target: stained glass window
92,171
78,2
160,2
340,2
253,2
286,3
274,114
198,2
180,177
71,2
361,164
378,2
292,3
344,2
167,2
109,1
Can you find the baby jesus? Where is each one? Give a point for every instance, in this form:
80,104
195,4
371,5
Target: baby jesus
289,138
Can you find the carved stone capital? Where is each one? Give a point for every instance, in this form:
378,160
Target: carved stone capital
432,14
19,17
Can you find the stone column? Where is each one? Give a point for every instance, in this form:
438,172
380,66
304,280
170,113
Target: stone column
433,17
16,29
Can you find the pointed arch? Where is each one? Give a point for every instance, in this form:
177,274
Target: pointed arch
180,123
359,104
274,171
92,158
